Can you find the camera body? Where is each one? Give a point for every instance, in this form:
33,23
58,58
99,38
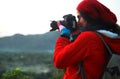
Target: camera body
69,22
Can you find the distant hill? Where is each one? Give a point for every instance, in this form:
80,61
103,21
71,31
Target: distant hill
29,43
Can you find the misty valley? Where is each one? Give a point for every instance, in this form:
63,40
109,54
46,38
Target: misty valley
39,65
28,57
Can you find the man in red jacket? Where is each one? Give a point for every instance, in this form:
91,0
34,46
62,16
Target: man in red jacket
87,47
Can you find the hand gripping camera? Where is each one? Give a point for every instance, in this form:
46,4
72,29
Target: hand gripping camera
69,22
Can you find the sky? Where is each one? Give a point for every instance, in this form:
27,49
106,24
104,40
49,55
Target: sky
34,16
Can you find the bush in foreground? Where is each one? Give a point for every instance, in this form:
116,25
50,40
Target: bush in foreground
16,73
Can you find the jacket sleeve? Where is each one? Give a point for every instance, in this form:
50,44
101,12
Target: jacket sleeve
67,53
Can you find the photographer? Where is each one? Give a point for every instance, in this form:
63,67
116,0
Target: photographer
86,46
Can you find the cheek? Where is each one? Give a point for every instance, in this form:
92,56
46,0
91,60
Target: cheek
83,22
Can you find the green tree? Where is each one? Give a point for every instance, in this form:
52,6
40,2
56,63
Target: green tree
16,73
58,74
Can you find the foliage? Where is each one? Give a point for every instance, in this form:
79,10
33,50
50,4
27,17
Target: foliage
30,64
16,73
58,74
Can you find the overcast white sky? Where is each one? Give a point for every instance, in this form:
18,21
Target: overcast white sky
34,16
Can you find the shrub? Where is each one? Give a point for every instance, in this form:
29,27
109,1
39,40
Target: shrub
16,73
58,74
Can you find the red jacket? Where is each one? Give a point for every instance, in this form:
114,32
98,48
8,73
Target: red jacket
88,48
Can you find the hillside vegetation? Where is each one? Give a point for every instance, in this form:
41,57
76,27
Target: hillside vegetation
29,43
36,65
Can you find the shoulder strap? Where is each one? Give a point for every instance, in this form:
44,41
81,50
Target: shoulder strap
108,49
82,71
106,45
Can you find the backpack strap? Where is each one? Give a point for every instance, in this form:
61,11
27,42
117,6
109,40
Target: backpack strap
106,45
109,53
81,67
112,70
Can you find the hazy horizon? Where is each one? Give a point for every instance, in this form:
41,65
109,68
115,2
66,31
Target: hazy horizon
34,16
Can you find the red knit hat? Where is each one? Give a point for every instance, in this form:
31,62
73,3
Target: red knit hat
96,11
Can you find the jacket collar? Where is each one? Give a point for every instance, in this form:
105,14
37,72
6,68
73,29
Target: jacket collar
108,33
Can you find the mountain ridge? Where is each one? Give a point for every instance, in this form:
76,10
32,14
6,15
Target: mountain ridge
29,43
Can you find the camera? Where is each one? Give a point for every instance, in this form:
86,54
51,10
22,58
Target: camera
69,22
